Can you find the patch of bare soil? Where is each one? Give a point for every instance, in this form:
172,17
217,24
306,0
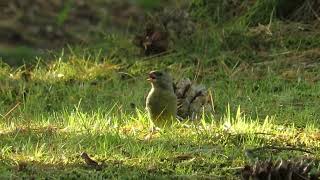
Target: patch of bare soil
55,23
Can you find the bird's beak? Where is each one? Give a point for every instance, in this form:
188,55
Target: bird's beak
152,77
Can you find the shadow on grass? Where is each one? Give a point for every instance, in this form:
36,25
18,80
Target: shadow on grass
53,152
63,95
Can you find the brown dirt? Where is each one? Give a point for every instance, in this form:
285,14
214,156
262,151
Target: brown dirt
55,23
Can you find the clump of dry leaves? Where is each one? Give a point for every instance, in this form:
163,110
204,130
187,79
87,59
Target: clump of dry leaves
154,40
282,169
193,99
162,28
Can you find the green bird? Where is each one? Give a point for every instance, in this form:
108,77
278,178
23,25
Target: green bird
161,102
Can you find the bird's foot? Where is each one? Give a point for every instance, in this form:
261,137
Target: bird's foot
154,130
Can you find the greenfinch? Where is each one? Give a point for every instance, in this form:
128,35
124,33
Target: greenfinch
161,102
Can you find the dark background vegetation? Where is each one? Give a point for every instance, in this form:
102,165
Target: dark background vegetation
31,28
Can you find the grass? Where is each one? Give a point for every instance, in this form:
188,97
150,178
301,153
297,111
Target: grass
265,91
50,148
75,105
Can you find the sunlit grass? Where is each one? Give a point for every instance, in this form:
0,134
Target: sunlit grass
58,119
50,146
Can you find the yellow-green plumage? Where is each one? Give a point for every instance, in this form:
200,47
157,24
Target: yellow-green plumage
161,102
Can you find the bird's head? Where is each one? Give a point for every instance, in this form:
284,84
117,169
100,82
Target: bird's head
84,155
160,79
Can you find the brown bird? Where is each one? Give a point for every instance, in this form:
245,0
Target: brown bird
90,162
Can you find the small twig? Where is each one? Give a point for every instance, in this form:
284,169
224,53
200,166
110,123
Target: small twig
280,54
313,11
233,168
300,176
198,70
128,74
11,110
249,152
158,55
211,101
262,133
198,176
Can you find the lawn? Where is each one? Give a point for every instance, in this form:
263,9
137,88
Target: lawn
75,105
265,89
